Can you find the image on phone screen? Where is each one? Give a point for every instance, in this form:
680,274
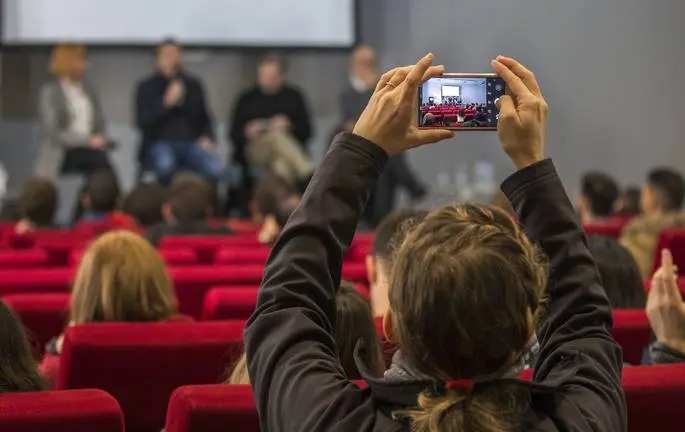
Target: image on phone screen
460,102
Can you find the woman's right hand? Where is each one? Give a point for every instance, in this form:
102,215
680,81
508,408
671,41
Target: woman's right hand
522,113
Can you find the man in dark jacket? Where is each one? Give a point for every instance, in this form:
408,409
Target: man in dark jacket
271,126
172,116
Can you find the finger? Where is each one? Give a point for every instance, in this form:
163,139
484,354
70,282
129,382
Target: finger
522,72
399,76
428,136
507,109
667,261
418,71
409,93
383,81
514,83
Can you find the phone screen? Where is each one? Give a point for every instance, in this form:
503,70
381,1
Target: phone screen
460,102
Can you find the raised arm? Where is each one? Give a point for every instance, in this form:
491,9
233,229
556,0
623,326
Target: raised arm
296,377
577,352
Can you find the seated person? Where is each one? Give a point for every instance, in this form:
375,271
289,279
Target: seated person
353,323
363,77
666,313
187,211
121,278
628,202
470,121
173,117
18,369
620,274
429,120
599,193
461,115
274,201
661,200
100,200
271,126
144,203
390,233
37,205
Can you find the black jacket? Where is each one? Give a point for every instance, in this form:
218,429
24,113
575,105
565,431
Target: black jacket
253,104
297,380
152,116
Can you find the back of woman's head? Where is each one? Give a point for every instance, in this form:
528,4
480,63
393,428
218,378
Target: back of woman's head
121,277
621,277
354,321
18,370
465,288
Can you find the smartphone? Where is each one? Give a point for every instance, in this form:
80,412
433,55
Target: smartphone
460,102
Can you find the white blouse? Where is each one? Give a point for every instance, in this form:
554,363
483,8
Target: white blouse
80,108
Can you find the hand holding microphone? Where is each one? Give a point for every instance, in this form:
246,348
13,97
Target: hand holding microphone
174,94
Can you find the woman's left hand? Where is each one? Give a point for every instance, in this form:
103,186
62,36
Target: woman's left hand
390,118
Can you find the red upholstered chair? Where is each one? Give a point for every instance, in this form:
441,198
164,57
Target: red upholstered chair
206,246
632,331
73,411
13,259
212,408
233,303
141,364
43,280
655,397
172,257
44,315
609,228
242,256
673,239
358,252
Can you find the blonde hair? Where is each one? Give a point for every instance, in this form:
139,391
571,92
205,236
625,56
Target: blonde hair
239,373
122,278
465,288
63,58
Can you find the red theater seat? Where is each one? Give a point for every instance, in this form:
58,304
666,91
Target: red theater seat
13,259
73,411
632,331
43,280
206,246
674,240
242,256
234,303
212,408
609,228
172,257
44,315
655,396
141,364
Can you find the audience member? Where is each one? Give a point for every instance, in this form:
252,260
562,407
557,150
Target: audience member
172,115
37,205
461,116
666,313
187,211
353,323
620,274
18,369
274,201
599,193
459,357
71,117
628,202
363,77
121,278
661,200
270,125
389,235
144,203
101,200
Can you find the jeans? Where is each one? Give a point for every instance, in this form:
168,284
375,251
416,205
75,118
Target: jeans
166,158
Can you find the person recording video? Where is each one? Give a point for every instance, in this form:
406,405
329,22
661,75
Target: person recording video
172,115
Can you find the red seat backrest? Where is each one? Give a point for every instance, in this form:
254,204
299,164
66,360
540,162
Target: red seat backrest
141,364
43,315
43,280
23,258
206,246
632,331
655,396
172,257
75,411
230,303
231,255
674,240
611,227
212,408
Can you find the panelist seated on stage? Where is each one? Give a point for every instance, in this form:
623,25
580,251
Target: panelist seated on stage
172,115
271,124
